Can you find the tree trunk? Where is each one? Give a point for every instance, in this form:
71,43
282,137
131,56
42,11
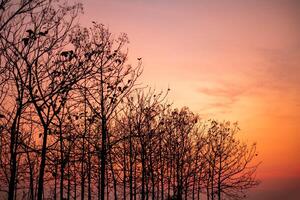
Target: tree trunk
13,154
219,178
135,180
83,168
62,166
124,172
162,174
113,176
69,182
130,168
30,177
89,173
103,158
75,178
42,165
143,174
99,176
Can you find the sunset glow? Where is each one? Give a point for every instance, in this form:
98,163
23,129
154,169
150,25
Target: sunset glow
227,60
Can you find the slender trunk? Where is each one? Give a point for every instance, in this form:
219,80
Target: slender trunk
62,167
13,168
135,184
147,187
104,137
69,183
143,174
178,177
130,167
42,165
219,178
124,172
162,174
212,185
103,158
89,156
169,167
83,169
99,176
16,187
13,155
152,176
113,176
31,178
208,185
89,173
83,150
75,178
31,168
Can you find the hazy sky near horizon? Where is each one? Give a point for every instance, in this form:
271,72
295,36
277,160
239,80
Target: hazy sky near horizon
233,60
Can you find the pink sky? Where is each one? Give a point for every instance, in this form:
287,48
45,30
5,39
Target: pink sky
231,60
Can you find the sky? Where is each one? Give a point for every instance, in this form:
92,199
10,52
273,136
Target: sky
235,60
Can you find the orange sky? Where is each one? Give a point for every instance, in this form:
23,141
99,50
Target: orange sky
233,59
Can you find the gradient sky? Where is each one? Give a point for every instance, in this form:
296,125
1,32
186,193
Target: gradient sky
233,60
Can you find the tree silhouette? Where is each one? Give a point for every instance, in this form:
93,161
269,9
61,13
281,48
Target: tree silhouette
110,82
229,169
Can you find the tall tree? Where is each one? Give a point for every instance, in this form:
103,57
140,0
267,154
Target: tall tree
111,81
229,169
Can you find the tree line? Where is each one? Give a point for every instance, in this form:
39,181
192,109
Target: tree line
76,124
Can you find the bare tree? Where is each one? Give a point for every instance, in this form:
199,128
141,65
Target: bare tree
229,169
111,82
